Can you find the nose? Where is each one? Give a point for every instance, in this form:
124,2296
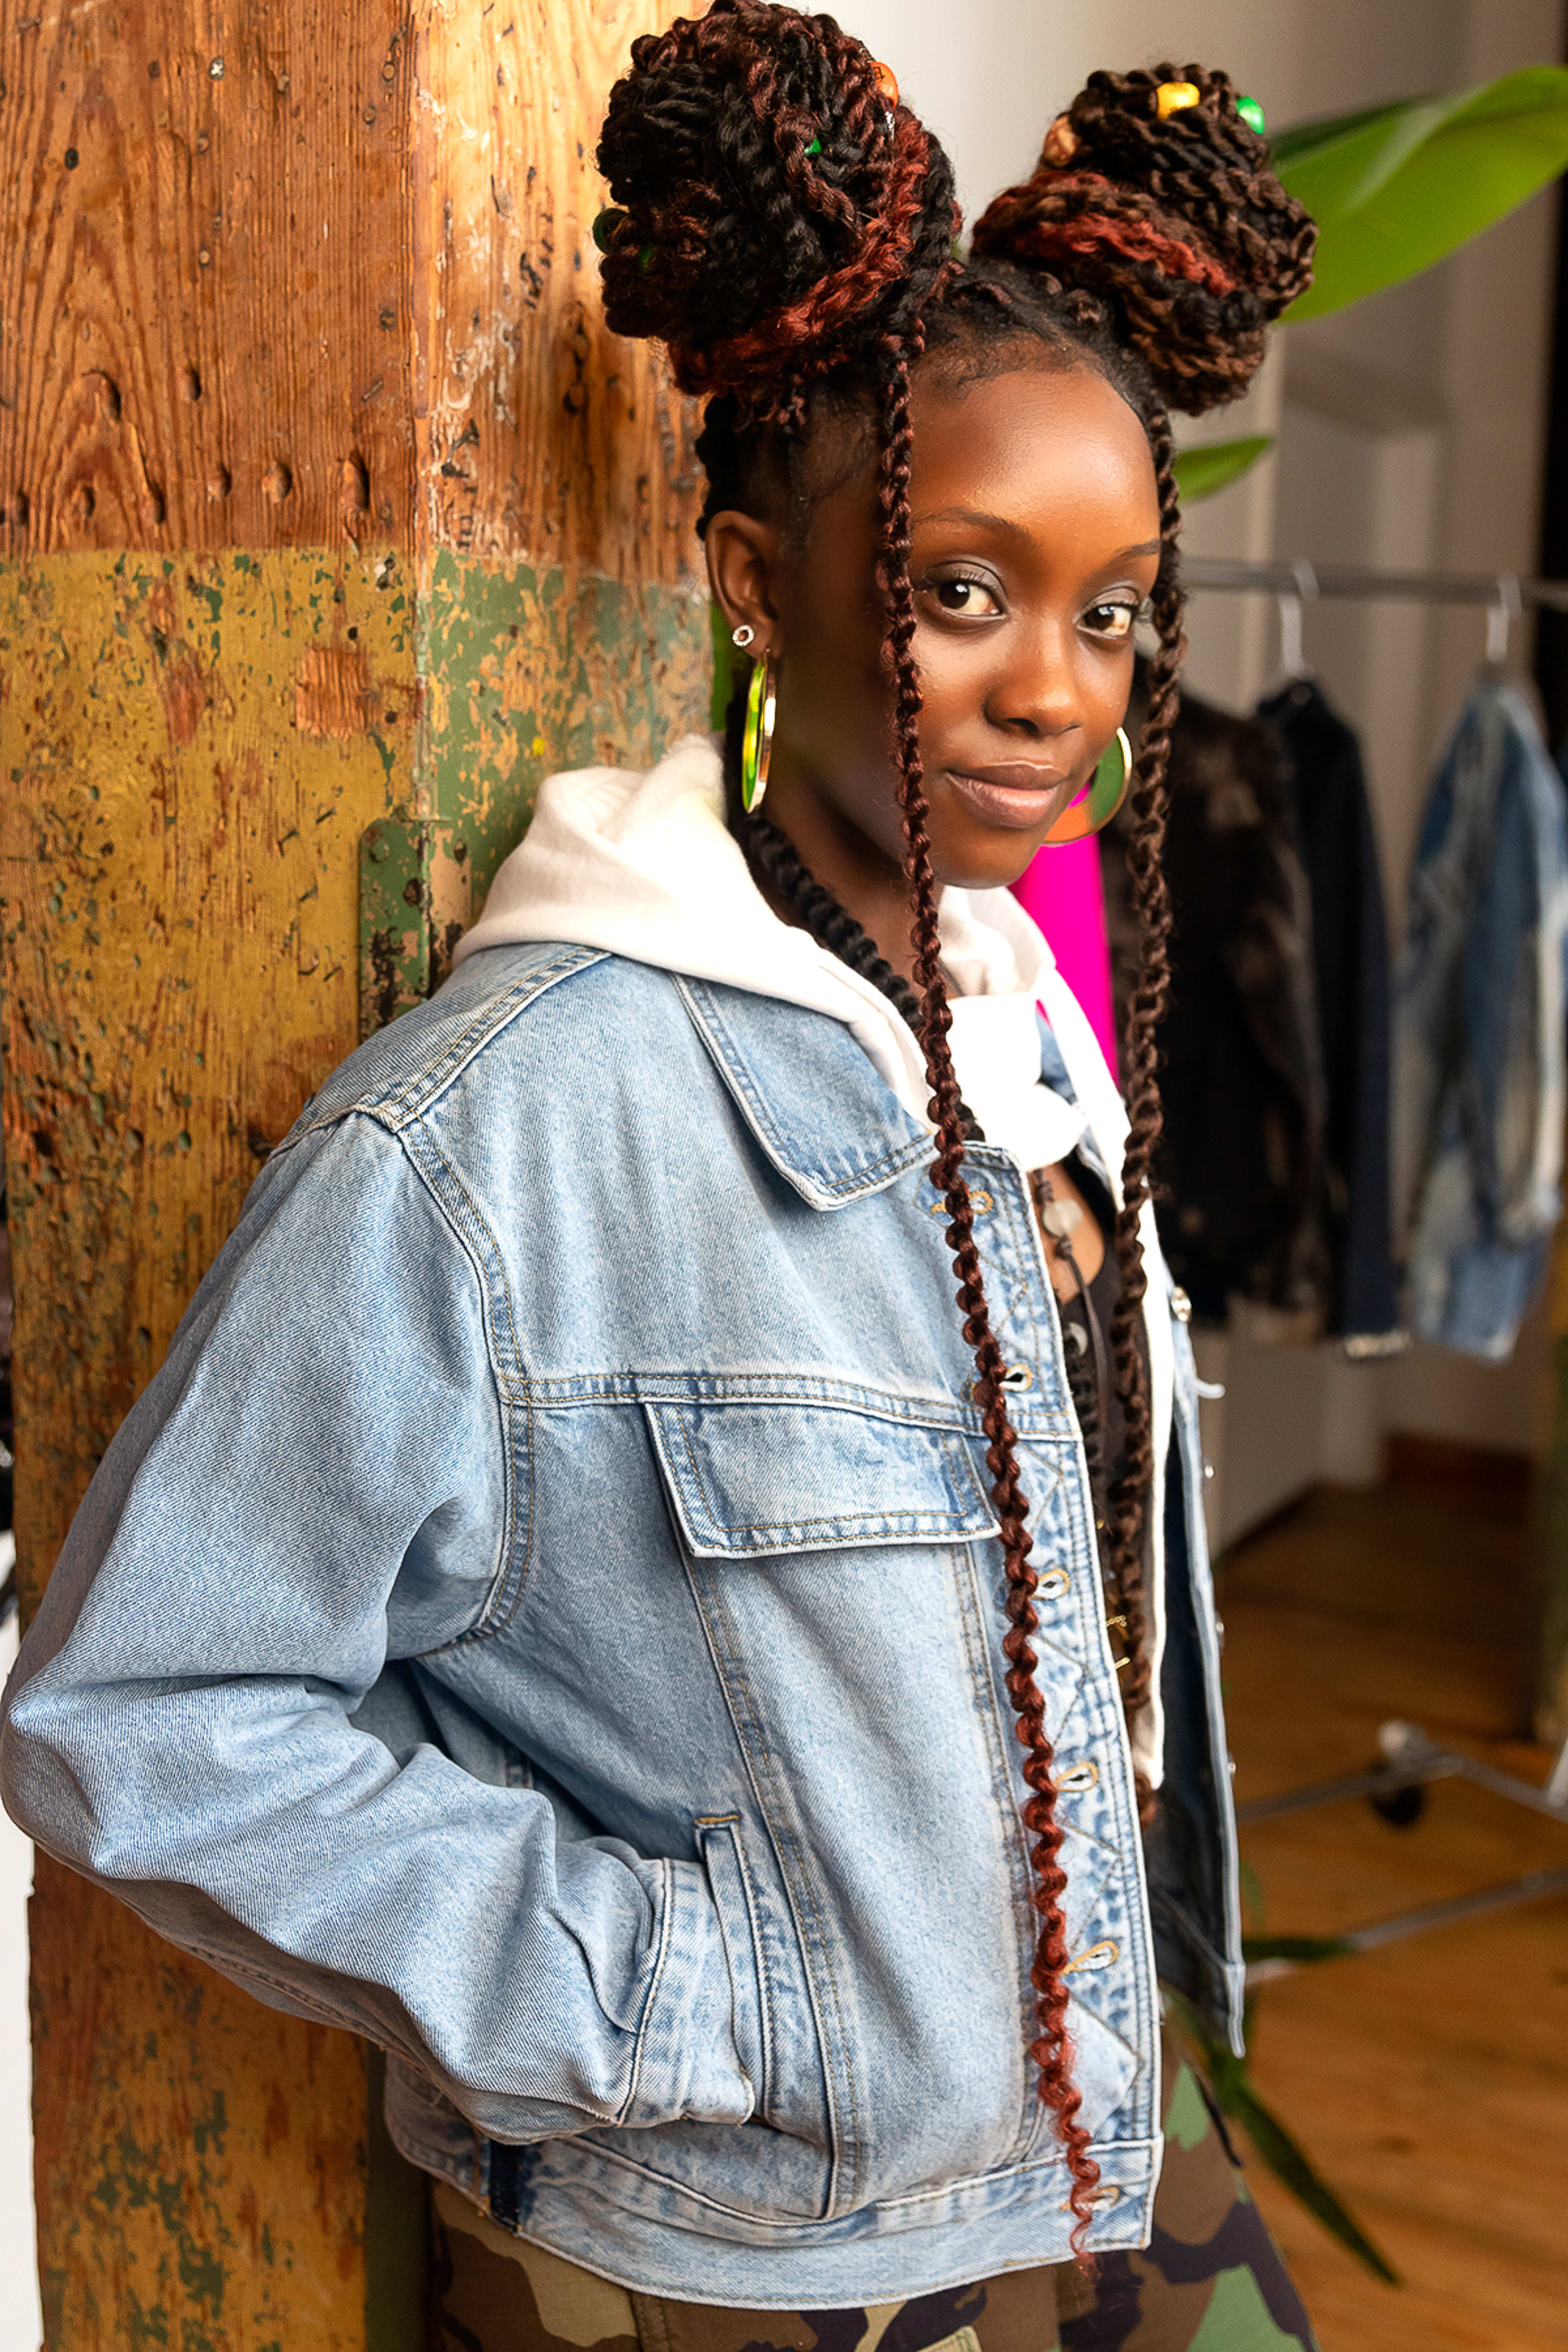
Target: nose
1034,694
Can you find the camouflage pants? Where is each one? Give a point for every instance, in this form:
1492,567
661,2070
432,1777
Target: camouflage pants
1212,2281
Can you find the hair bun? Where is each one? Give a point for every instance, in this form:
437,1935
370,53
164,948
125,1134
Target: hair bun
1176,221
778,213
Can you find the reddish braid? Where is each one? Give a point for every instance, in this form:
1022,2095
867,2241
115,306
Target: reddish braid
1051,2050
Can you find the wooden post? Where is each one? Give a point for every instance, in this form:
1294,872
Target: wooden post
328,512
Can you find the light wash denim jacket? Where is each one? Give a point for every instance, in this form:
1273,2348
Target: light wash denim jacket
545,1615
1481,1040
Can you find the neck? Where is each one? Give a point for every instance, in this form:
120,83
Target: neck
865,880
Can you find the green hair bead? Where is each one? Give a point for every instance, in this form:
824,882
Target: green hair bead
1251,114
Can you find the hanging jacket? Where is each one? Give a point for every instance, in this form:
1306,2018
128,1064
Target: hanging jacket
544,1614
1241,1164
1480,1030
1350,955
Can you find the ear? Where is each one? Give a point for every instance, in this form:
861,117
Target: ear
742,562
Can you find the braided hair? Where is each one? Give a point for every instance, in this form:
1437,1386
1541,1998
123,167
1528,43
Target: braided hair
786,228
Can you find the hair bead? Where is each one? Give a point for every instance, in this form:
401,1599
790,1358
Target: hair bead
605,225
1251,114
1061,144
886,82
1172,97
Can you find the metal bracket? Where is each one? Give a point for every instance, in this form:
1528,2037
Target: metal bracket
415,897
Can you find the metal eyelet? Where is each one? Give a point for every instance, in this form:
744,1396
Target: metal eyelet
1018,1376
1100,2199
1181,1306
1054,1583
980,1202
1077,1778
1103,1955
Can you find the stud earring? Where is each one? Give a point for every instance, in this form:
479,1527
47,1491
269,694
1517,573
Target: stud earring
743,635
757,742
1093,809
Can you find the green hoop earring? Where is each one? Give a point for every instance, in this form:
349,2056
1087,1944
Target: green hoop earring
757,742
1095,806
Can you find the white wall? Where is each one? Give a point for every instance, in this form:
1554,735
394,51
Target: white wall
1411,430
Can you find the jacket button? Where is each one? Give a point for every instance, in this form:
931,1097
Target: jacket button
1181,1306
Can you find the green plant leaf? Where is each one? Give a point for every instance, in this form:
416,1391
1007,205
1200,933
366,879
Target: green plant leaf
1396,189
1237,2097
1213,465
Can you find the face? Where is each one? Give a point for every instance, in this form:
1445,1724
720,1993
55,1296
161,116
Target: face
1035,541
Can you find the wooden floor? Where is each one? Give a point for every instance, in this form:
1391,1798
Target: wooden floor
1429,2081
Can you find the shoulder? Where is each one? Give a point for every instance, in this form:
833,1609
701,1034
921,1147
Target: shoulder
537,1015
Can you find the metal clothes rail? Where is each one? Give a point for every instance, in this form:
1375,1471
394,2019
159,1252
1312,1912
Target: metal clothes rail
1298,578
1411,1760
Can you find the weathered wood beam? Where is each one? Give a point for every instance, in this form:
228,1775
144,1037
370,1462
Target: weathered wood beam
326,504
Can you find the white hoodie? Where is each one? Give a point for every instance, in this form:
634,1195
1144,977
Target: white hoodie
644,866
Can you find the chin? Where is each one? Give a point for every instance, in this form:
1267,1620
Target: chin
991,861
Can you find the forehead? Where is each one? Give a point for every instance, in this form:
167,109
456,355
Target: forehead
1038,442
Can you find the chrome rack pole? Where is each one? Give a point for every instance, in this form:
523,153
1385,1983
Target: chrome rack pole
1366,583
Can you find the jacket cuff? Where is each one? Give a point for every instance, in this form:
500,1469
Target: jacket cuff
687,2067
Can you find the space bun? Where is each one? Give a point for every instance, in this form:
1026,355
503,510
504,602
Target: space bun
1170,214
775,211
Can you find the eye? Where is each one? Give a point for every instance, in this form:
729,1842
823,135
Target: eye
1111,619
965,598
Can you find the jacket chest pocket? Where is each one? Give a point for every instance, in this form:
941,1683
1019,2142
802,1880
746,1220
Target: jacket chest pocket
747,1481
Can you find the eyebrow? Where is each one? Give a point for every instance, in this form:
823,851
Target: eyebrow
985,521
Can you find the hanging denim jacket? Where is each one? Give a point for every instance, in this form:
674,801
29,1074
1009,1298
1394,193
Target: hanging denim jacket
1479,1038
545,1615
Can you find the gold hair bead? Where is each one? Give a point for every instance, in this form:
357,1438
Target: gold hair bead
1173,95
1061,144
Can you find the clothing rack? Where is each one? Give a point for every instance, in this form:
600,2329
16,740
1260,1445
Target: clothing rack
1411,1760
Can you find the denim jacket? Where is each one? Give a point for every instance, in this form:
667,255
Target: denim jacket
545,1615
1481,1042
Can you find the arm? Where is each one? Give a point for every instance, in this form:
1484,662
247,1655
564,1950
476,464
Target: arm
325,1444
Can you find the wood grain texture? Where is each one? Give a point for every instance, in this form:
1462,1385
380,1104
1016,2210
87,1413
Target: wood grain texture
543,437
209,343
197,2180
1427,2080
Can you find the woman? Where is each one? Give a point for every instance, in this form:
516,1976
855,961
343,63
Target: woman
579,1605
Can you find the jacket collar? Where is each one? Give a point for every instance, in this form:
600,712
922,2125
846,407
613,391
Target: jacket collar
819,1109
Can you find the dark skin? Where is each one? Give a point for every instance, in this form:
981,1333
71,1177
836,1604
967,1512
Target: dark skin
1035,541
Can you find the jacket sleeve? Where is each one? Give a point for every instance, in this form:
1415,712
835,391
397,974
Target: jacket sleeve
323,1446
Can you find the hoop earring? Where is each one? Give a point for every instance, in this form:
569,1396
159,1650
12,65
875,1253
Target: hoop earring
757,742
1095,806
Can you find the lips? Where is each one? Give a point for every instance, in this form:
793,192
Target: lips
1018,798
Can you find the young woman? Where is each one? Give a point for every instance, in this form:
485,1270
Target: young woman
662,1580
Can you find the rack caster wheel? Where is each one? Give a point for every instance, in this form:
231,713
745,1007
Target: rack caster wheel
1401,1807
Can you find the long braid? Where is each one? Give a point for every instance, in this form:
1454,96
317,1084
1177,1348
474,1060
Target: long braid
1145,856
1051,2050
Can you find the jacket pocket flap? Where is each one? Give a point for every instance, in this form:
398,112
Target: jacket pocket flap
747,1479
